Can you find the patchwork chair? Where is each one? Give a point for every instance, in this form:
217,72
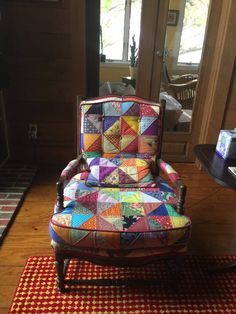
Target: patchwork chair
112,206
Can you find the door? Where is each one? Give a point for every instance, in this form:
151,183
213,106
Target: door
162,24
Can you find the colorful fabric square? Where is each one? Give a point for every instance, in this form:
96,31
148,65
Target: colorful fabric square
148,144
120,218
132,172
93,142
124,126
112,108
92,123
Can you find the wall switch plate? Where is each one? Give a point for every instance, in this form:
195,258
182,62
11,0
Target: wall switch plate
33,131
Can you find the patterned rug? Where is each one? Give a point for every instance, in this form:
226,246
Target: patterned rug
14,183
195,291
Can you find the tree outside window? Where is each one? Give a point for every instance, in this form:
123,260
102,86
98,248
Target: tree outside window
120,20
193,31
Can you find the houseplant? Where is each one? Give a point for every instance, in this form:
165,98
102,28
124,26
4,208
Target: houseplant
133,58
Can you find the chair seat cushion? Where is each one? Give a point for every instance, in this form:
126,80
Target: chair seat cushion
119,218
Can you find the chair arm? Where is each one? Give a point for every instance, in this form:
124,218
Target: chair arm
75,166
176,180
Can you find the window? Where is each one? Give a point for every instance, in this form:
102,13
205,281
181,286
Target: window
193,32
120,20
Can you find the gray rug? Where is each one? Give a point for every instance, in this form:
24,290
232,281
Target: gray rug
15,180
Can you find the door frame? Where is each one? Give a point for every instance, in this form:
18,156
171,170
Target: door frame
210,102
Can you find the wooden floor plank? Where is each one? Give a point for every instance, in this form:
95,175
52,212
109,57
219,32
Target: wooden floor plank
210,206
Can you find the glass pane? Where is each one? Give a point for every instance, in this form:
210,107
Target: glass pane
184,40
135,19
193,31
112,23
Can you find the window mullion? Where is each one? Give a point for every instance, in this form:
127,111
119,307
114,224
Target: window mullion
126,30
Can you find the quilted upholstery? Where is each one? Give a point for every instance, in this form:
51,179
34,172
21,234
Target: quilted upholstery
120,125
114,222
119,218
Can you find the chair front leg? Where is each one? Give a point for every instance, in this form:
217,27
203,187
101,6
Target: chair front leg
182,193
59,263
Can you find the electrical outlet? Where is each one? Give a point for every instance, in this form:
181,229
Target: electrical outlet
33,131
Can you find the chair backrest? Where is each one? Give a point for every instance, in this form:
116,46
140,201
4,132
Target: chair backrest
123,126
182,88
185,93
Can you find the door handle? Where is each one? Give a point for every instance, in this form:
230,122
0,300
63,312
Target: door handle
159,53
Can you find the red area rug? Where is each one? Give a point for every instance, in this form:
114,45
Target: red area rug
15,181
196,291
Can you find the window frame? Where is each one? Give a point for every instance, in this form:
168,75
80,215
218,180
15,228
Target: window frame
125,53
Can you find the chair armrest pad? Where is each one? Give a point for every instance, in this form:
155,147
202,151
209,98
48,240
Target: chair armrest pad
74,166
174,178
169,171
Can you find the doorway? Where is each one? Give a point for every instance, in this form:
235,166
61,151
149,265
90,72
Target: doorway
165,58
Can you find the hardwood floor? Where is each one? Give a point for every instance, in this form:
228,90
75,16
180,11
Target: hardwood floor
211,207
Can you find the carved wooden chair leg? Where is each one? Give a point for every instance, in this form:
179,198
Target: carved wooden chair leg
59,263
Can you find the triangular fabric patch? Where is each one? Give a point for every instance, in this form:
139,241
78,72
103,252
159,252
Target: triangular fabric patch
96,145
113,211
148,199
105,171
150,207
78,219
116,222
178,222
103,224
147,110
109,122
90,224
152,129
125,106
125,178
77,236
108,147
112,178
95,109
159,211
141,225
80,209
134,110
114,129
154,224
114,140
130,122
127,129
85,108
91,197
129,144
96,121
89,127
107,197
92,142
